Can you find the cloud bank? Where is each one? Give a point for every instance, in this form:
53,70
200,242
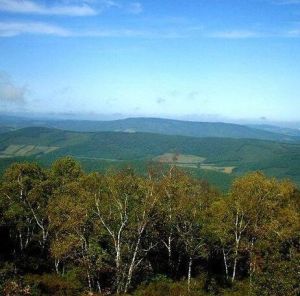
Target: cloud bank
30,7
69,8
10,29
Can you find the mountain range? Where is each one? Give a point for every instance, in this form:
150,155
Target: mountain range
159,126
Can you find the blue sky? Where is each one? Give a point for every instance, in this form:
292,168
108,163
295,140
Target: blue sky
219,59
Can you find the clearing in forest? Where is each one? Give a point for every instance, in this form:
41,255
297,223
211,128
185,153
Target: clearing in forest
25,150
179,158
191,161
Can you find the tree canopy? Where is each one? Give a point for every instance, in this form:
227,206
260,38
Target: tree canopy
66,232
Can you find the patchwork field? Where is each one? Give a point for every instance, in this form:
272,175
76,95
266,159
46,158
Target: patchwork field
25,150
191,161
225,169
179,158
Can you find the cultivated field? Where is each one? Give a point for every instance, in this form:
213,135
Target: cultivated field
191,161
25,150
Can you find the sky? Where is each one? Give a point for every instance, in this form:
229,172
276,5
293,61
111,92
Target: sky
192,59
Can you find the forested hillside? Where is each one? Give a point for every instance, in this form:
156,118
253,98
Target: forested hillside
219,159
66,232
294,132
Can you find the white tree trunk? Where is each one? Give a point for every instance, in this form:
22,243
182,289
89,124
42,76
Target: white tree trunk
225,263
89,281
99,287
190,273
133,260
169,250
56,263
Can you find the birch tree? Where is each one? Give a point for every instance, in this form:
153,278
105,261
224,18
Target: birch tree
257,204
169,193
194,203
26,191
71,223
124,205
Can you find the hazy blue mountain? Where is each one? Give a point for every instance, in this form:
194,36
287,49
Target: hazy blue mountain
156,125
4,129
277,129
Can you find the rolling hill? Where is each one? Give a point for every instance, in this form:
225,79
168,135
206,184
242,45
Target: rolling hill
157,126
218,158
277,129
4,129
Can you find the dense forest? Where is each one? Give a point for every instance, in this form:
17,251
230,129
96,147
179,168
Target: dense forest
67,232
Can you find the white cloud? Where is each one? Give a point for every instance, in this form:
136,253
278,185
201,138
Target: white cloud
9,29
10,93
293,33
30,7
108,3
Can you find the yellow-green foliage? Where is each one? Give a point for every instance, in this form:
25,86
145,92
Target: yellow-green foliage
66,232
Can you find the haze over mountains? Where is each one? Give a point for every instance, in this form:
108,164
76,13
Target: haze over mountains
160,126
277,129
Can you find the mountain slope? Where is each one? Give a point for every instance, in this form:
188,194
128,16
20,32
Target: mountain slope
4,129
277,129
218,154
156,125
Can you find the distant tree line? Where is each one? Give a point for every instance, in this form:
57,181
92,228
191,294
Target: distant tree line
65,232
